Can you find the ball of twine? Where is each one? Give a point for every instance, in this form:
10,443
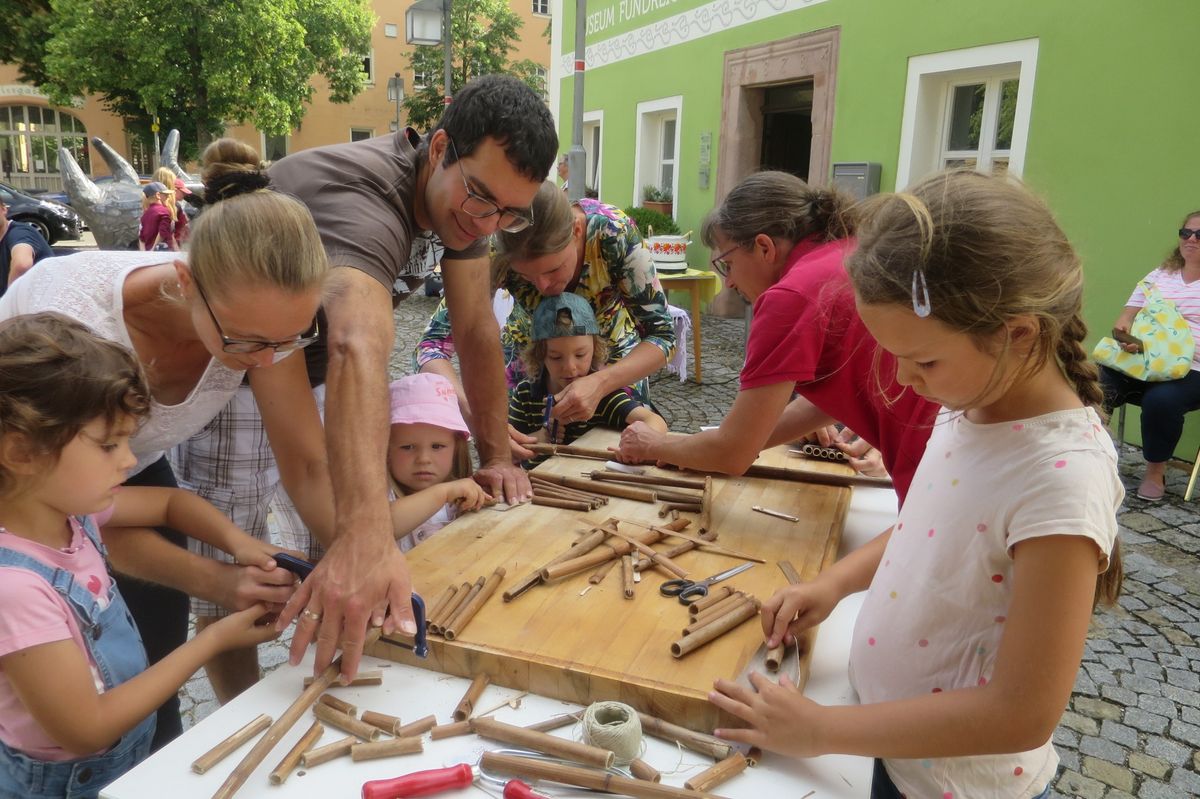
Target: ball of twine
614,726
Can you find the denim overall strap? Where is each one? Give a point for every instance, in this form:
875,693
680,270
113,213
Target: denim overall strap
114,644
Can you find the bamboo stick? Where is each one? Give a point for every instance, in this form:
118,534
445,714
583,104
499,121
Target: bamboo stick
450,730
592,486
383,721
610,551
530,768
462,711
774,657
272,737
677,496
715,595
706,529
436,606
434,624
717,611
627,576
338,704
789,571
644,562
562,504
657,557
818,478
720,772
589,541
554,722
540,490
700,742
552,482
666,508
707,546
598,576
292,758
323,754
648,479
714,630
542,742
642,770
346,723
454,628
416,728
369,677
388,748
444,622
225,748
569,451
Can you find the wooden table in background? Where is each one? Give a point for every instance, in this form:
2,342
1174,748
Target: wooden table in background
692,281
562,643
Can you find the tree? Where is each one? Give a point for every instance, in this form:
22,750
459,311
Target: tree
204,63
483,33
23,38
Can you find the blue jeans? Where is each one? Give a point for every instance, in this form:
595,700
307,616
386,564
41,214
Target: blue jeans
114,644
1163,407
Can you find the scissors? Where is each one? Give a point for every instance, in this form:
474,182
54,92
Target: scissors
689,591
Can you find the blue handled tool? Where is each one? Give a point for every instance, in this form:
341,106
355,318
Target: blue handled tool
689,591
420,646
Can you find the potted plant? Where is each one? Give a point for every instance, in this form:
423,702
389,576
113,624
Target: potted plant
657,199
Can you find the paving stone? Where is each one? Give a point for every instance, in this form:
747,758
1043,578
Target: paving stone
1116,661
1145,652
1085,725
1183,679
1148,668
1188,733
1084,684
1143,685
1108,773
1145,721
1115,693
1097,709
1174,753
1153,766
1100,675
1126,736
1140,522
1065,737
1173,661
1187,780
1113,793
1068,759
1072,783
1153,789
1181,695
1173,614
1102,748
1098,645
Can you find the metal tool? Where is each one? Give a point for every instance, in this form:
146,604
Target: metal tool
778,514
431,781
302,568
689,591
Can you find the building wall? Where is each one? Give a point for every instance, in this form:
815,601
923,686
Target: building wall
1110,132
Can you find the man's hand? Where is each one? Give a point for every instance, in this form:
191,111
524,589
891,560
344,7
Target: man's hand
505,480
362,579
518,443
638,443
577,402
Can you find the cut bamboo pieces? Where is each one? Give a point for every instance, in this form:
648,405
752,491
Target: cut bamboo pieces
708,546
644,771
280,728
562,504
718,773
383,721
434,623
455,626
589,541
450,730
598,576
610,550
369,677
346,723
649,479
604,781
776,654
566,449
389,748
554,722
658,558
718,610
323,754
665,509
643,562
627,576
436,606
715,595
462,711
417,728
594,487
818,478
699,742
225,748
715,629
338,704
292,758
542,742
706,529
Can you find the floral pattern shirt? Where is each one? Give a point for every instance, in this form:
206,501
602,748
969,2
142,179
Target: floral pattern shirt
617,280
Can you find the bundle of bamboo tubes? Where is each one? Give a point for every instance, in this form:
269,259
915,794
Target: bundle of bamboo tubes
716,620
455,607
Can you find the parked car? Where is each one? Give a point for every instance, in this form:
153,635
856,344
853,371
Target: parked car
54,221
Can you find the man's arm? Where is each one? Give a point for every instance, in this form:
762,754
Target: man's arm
798,419
474,328
20,262
364,577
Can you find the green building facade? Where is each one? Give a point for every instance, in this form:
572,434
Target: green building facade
1091,103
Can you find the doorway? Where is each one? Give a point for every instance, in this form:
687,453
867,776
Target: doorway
787,128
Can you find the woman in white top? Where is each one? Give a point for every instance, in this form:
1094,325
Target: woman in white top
244,298
1163,404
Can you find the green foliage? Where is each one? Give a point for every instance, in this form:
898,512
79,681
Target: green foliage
23,37
208,62
483,33
654,194
648,220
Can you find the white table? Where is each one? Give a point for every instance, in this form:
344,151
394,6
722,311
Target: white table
412,693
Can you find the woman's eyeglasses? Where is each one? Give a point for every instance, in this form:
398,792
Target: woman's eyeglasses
243,346
511,219
1186,233
720,265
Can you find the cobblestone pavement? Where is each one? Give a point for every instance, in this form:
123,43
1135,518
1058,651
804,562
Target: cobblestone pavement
1133,725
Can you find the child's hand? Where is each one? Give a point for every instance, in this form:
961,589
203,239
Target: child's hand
249,551
780,718
795,608
467,494
249,627
241,587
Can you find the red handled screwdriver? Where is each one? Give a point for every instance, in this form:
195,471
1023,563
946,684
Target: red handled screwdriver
427,783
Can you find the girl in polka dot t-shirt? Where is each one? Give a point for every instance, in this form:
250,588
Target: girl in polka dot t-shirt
967,646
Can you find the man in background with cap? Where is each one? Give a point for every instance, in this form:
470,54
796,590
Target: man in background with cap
21,246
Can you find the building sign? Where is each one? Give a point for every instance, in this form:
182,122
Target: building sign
21,90
623,11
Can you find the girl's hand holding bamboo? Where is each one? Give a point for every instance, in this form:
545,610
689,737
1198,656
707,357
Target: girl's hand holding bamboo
468,494
781,719
794,608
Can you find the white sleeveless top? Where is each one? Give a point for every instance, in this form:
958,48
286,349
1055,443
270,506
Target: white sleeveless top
87,287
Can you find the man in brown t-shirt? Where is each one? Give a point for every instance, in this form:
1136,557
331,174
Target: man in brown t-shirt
475,173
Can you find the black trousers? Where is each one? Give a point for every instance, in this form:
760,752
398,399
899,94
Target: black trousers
161,614
882,786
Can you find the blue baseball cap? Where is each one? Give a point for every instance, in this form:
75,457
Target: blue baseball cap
567,314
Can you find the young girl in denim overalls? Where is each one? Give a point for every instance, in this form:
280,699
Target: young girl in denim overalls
77,700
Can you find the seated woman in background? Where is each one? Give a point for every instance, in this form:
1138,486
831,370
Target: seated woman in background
566,347
1163,404
594,251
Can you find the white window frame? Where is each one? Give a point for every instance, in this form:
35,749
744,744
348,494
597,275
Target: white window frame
541,8
595,160
544,74
370,70
931,79
262,144
420,80
647,148
369,131
391,30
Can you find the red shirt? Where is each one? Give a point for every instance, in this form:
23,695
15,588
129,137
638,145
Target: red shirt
807,331
156,221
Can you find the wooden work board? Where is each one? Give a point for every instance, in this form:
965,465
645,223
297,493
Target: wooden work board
559,641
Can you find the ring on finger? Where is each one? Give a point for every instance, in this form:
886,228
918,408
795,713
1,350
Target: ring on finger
310,615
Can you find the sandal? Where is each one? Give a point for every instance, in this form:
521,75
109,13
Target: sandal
1151,490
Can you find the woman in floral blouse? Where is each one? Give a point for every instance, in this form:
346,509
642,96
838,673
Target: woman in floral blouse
590,249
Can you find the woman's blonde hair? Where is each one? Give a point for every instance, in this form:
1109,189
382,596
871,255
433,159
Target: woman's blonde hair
1174,261
166,177
782,206
551,232
534,355
249,236
988,251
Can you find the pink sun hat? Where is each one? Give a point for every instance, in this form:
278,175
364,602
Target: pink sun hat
427,399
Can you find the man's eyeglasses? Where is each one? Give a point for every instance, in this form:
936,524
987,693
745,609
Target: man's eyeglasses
242,346
1186,233
512,220
720,265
